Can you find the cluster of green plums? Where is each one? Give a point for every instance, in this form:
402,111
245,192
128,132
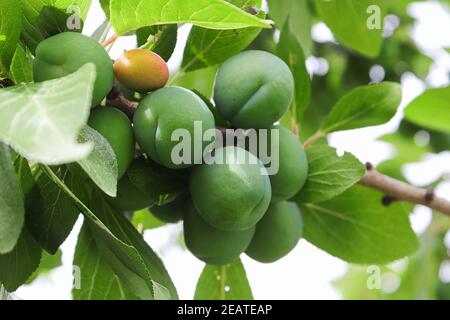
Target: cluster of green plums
227,208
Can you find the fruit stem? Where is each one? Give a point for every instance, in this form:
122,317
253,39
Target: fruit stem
110,41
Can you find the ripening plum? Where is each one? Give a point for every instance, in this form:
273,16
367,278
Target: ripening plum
141,70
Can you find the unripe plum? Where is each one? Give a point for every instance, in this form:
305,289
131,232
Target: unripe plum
231,196
277,233
211,245
67,52
165,112
253,89
115,126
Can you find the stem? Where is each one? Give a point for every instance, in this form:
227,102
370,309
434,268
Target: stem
110,41
117,100
316,136
396,190
151,40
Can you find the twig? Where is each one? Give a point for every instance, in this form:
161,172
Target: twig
396,190
117,100
5,83
111,40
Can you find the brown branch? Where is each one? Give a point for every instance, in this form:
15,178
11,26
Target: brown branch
396,190
5,83
117,100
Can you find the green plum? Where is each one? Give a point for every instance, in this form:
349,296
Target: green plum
253,89
292,166
277,233
233,191
129,197
67,52
211,245
115,126
163,114
172,212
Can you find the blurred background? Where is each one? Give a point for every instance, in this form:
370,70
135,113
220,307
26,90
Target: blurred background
416,53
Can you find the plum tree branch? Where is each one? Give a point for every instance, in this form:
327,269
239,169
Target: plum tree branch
117,100
396,190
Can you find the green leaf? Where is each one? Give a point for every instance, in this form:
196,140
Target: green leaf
131,259
158,183
358,228
431,110
166,39
124,259
363,107
100,33
329,175
43,18
101,164
406,151
352,23
24,174
105,4
290,50
227,282
206,47
96,279
21,70
11,203
201,80
299,18
214,14
120,226
145,220
3,293
50,213
10,26
48,263
17,265
419,275
42,121
83,6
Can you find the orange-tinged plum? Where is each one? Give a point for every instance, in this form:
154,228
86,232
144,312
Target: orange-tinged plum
141,70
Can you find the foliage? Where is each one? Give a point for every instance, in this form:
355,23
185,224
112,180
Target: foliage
53,167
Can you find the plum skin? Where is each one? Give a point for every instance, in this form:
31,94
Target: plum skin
141,70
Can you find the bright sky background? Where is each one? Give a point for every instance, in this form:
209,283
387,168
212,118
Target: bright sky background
307,272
